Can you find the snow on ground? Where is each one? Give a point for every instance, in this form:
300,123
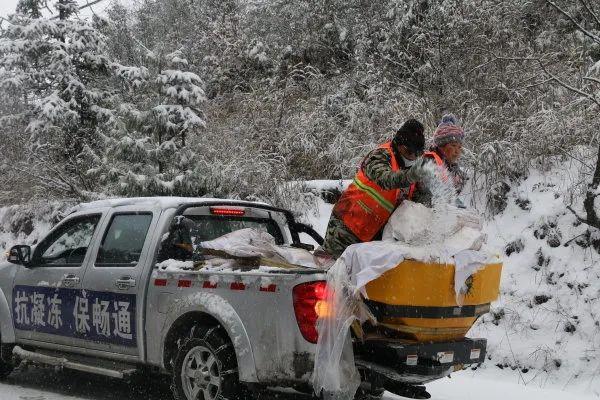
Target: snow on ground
546,323
47,384
474,386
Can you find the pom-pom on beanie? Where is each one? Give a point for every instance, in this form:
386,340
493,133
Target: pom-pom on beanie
448,131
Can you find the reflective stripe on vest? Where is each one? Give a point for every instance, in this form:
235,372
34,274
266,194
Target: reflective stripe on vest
365,207
374,194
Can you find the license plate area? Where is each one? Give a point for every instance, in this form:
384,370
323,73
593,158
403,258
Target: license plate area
407,357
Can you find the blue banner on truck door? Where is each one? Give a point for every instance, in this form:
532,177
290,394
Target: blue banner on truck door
84,314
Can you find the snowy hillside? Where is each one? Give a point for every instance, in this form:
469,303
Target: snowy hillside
546,324
26,224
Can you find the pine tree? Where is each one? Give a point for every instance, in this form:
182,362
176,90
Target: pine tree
149,151
58,69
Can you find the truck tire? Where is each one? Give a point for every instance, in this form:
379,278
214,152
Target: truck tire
6,367
205,366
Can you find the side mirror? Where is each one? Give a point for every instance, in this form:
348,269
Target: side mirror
20,254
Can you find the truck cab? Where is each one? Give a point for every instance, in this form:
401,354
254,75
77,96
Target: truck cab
90,293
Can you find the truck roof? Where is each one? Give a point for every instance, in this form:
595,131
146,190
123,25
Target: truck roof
162,202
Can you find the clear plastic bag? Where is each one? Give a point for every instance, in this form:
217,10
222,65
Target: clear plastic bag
335,374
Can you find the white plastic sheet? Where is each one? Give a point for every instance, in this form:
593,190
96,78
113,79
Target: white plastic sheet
368,261
251,242
335,373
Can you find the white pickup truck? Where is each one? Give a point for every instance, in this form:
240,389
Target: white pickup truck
90,297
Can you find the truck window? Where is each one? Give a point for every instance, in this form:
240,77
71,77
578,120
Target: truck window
194,229
124,239
67,245
209,227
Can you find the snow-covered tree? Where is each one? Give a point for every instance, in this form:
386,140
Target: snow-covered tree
148,148
584,20
57,69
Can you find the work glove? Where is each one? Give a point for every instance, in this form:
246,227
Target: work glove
417,172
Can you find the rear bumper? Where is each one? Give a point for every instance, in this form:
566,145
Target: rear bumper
413,364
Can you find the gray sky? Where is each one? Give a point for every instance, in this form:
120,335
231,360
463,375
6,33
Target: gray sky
8,7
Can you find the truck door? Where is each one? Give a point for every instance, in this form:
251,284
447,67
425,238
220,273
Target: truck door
114,283
44,292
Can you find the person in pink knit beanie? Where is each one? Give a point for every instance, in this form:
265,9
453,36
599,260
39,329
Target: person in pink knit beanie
446,150
448,139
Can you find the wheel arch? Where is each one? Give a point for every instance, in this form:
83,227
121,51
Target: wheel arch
212,310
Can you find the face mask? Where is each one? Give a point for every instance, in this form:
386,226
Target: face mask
407,162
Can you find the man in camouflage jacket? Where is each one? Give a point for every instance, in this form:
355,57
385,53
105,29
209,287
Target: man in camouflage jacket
407,145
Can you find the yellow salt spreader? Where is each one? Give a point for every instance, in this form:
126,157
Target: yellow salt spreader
420,333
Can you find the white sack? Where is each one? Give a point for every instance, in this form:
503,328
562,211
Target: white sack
417,225
251,242
409,223
244,243
466,238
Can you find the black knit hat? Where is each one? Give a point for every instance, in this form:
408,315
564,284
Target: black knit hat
410,134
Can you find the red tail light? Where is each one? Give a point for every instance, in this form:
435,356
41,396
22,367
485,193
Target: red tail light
229,211
310,303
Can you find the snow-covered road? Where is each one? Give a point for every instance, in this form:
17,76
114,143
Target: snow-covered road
47,384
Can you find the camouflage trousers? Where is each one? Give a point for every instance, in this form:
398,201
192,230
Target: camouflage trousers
338,237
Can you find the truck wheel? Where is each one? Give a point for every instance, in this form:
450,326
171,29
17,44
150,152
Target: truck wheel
6,367
205,366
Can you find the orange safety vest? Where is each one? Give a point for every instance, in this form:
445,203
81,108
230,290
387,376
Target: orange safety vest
365,207
444,171
435,156
440,163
